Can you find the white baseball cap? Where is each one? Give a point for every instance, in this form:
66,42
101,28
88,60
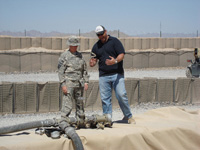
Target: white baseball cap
100,29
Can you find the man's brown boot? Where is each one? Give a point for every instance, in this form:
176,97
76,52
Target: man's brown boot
131,120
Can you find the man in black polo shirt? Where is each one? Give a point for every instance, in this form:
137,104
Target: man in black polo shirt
109,52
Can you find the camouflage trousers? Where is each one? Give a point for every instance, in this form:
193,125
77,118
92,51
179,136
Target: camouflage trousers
73,94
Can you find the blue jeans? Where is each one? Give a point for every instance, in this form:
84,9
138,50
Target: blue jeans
116,81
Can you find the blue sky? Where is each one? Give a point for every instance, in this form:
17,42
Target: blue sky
129,16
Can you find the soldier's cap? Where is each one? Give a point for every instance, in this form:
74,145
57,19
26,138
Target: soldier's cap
100,29
73,41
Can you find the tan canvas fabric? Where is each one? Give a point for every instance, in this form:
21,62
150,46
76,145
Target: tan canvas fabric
169,128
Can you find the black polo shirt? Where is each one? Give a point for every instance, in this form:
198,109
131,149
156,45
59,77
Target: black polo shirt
113,47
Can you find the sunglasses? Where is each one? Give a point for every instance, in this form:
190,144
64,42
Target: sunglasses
100,34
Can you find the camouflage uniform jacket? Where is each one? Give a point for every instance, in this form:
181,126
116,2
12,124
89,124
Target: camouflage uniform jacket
72,70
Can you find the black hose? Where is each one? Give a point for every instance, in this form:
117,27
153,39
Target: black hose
26,126
70,132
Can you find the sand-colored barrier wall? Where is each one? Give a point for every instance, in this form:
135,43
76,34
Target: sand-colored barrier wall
21,61
32,97
56,43
16,52
28,61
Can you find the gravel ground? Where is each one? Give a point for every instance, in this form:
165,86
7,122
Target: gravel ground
12,119
169,73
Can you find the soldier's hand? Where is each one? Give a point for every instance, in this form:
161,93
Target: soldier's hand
64,89
86,86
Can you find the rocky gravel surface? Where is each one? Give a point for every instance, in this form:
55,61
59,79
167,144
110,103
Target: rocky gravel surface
169,73
14,119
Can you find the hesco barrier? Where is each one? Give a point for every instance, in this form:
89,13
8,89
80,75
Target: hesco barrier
47,61
58,43
32,97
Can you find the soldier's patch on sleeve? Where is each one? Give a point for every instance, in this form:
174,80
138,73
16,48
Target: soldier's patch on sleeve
60,63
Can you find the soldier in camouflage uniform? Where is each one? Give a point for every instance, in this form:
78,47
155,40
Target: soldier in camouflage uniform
73,76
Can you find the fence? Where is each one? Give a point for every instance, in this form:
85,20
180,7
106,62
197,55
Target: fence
9,43
47,61
32,97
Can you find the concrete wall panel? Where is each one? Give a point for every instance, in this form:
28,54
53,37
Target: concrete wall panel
84,44
15,43
64,44
145,43
5,43
184,56
26,42
154,43
171,59
137,43
192,43
128,44
184,42
140,60
14,62
169,42
197,41
37,42
162,43
156,59
49,61
56,43
128,61
4,62
54,61
27,62
35,61
177,43
46,61
47,43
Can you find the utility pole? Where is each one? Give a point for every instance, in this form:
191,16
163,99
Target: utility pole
118,33
25,33
79,32
160,30
197,34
